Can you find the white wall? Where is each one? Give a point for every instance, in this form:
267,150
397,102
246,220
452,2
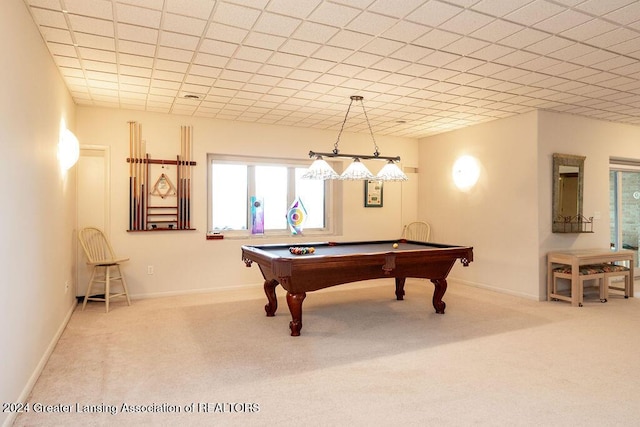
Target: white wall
499,216
38,205
598,140
184,261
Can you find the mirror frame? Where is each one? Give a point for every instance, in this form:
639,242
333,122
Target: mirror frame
560,223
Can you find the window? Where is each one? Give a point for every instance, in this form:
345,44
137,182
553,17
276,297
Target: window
234,180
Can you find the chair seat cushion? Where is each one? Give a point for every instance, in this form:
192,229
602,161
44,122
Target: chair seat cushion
613,268
585,270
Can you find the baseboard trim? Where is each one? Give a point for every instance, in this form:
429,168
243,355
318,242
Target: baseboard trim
38,370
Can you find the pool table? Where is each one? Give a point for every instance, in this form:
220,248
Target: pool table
334,263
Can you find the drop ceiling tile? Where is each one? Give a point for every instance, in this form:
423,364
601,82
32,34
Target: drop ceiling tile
524,38
137,34
349,40
563,21
331,53
49,18
491,52
183,24
333,14
434,13
286,60
137,81
138,49
138,16
56,35
534,12
467,22
279,25
218,48
315,33
97,55
95,42
363,59
588,30
92,26
194,8
411,53
465,64
572,51
599,7
235,15
439,59
60,49
293,8
594,57
106,67
499,8
615,37
406,31
497,30
135,60
299,47
516,58
174,54
167,76
437,39
170,65
205,71
465,46
625,15
553,44
371,23
179,41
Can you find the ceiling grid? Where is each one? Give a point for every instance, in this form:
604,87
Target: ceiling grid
422,66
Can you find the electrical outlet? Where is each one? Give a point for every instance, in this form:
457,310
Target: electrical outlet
66,286
150,269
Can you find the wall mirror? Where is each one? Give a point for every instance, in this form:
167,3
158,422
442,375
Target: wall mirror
568,182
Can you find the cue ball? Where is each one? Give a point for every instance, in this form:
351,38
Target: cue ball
395,246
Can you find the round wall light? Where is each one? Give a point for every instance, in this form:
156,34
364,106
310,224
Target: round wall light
465,173
68,149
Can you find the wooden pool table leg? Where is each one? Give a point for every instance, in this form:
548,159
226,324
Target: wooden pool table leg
400,288
294,301
270,290
438,293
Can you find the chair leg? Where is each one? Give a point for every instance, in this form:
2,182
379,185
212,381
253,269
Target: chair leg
107,290
124,285
604,289
86,296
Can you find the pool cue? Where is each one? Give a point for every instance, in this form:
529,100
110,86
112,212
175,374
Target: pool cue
189,172
179,178
138,177
131,175
187,176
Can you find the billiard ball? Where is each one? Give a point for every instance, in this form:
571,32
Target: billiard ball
395,246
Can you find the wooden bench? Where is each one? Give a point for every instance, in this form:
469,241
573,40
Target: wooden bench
614,270
587,272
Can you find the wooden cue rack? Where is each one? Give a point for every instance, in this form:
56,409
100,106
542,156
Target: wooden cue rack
149,208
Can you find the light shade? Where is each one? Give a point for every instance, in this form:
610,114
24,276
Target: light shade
465,172
68,149
391,172
356,171
320,169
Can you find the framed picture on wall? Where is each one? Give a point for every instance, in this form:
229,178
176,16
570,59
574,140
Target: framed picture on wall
373,194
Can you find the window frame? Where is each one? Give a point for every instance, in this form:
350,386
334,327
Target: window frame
331,188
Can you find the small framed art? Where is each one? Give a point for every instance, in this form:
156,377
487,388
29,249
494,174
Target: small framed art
373,194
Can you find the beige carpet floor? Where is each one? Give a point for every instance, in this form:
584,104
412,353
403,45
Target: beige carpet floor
363,359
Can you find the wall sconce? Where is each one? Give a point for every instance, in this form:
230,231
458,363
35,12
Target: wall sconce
68,149
320,169
465,172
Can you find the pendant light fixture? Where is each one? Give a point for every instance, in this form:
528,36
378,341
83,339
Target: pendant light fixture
320,169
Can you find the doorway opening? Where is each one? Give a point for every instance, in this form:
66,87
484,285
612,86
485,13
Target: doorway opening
624,204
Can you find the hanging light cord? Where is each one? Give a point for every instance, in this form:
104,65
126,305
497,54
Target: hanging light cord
376,153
